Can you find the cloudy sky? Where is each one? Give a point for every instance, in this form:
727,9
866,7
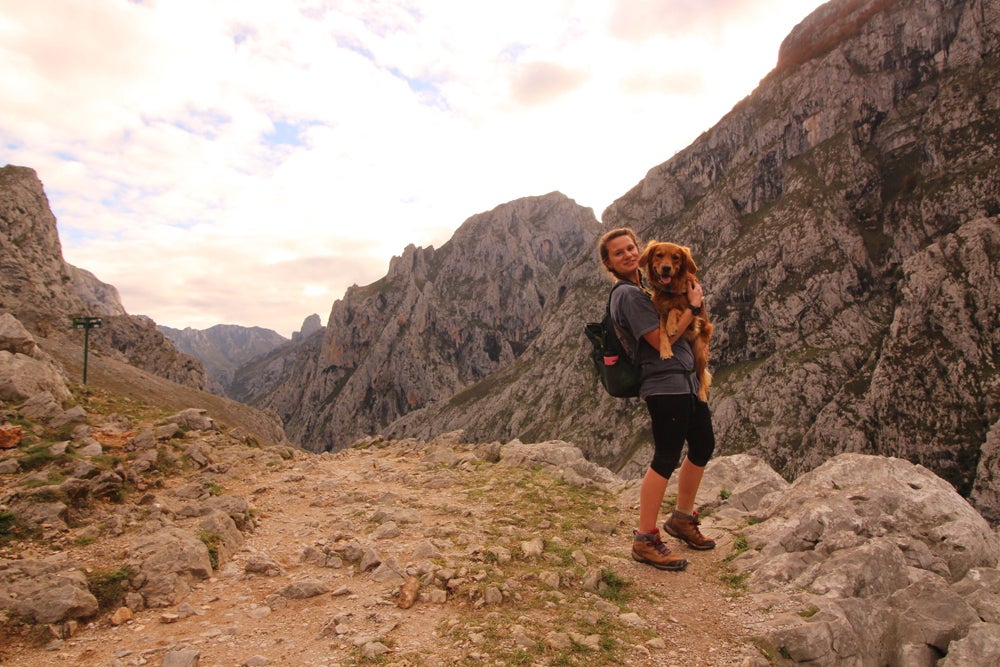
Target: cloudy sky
245,161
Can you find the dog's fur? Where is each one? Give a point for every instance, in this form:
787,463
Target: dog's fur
669,269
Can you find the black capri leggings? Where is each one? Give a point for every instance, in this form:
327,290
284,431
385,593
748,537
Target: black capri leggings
676,418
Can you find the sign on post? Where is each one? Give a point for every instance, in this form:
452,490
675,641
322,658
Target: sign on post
86,323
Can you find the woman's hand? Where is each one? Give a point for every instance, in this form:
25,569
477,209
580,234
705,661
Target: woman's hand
695,297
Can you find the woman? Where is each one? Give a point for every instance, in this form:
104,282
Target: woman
670,388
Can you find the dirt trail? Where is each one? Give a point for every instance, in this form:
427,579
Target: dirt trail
466,521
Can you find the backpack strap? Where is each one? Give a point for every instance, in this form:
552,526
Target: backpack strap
625,341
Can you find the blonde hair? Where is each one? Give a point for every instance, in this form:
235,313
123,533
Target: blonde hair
606,238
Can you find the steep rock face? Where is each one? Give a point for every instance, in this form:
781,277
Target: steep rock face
844,216
223,348
100,297
35,282
439,321
44,292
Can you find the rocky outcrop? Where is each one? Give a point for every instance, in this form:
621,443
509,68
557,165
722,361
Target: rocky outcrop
44,292
35,282
45,592
441,320
871,561
843,216
25,370
310,325
100,298
224,348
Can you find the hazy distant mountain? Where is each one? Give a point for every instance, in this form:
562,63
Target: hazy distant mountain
223,348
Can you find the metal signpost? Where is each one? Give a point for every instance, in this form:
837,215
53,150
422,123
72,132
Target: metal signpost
86,323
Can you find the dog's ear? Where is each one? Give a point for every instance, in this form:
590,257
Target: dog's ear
689,260
644,257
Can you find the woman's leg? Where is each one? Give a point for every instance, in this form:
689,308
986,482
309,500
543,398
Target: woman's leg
688,483
669,423
683,523
654,485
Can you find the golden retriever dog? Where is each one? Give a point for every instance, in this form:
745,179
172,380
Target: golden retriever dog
669,269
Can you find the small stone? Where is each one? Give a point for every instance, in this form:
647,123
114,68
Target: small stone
631,618
408,593
493,595
301,590
374,649
550,579
437,596
181,657
121,616
10,436
533,548
386,531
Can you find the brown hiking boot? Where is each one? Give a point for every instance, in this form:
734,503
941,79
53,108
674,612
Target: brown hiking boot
648,548
685,527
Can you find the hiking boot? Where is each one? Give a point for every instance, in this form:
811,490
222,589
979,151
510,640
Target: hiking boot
685,527
648,548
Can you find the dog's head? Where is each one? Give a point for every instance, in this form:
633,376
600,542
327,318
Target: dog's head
667,263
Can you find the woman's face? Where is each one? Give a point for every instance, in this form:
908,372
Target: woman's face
623,256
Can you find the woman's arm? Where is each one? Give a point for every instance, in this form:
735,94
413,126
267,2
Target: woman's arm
696,299
653,337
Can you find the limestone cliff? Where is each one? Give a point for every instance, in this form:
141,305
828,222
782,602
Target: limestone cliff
441,320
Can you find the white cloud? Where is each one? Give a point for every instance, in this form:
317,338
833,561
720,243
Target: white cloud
245,161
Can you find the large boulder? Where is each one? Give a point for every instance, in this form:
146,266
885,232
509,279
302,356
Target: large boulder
21,377
854,498
45,592
869,561
166,563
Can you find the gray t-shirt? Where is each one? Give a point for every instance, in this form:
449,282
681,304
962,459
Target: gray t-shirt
633,313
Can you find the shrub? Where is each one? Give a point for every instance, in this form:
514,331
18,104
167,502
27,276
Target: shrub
212,542
12,528
38,456
109,586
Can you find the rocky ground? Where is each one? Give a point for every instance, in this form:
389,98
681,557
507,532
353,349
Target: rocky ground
389,553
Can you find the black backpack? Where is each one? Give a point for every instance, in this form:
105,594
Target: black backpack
615,368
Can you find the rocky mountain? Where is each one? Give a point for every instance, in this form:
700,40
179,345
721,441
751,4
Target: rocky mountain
224,348
844,216
45,293
441,320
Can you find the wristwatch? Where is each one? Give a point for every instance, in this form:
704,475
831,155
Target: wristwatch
695,310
